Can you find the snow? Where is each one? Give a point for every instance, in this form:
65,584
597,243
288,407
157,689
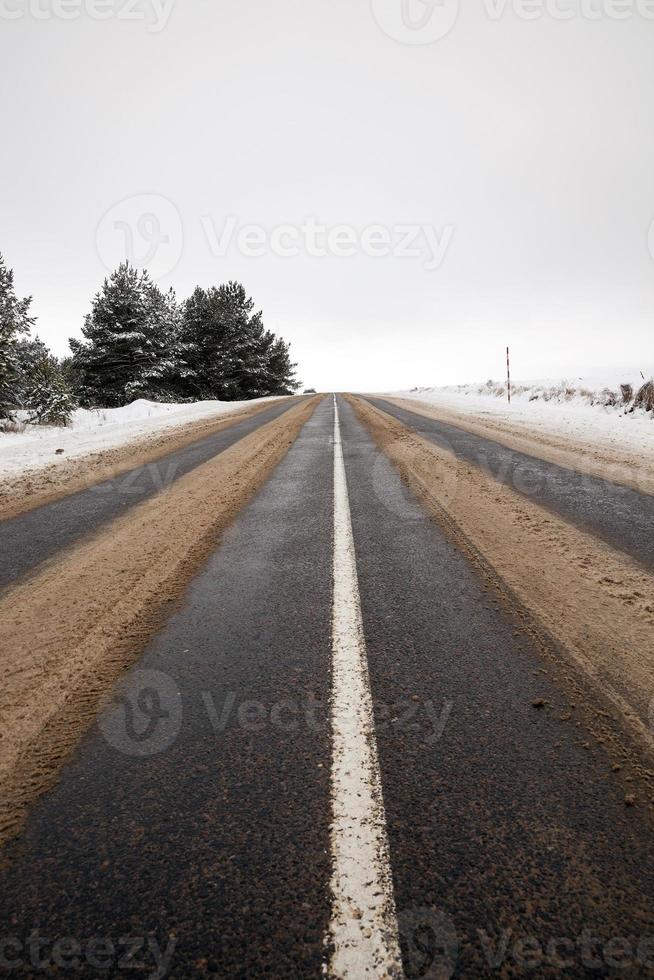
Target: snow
94,430
574,409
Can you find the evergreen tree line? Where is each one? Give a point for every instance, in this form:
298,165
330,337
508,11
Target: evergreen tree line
30,377
141,342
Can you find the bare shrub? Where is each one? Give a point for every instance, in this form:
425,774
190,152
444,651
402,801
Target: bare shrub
12,425
645,397
608,398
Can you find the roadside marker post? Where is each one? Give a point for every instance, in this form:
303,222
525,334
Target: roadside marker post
508,376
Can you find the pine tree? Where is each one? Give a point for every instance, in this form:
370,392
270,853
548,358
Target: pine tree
140,343
28,353
226,349
164,378
209,344
281,370
71,374
42,388
125,350
14,321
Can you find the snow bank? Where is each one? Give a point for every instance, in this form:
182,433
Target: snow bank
587,410
94,430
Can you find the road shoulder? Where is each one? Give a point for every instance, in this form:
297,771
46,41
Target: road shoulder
44,484
596,457
590,607
72,628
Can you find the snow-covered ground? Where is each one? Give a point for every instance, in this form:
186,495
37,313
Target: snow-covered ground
94,430
589,411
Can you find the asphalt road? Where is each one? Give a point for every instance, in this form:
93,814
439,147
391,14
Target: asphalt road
192,827
30,539
621,516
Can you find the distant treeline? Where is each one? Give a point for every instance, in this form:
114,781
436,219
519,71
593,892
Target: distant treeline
140,342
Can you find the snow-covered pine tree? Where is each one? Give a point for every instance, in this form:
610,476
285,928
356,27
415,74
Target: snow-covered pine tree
281,370
164,377
249,342
41,387
28,353
226,349
125,348
14,321
140,343
206,345
46,393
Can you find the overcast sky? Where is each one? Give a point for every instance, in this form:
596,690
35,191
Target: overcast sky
403,188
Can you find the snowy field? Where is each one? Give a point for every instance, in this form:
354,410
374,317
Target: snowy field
587,411
94,430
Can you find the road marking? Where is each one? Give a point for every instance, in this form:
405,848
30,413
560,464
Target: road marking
363,928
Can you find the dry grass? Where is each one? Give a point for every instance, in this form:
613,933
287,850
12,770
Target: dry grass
645,397
620,397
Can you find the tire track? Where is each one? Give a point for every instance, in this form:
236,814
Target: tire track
71,629
31,538
591,606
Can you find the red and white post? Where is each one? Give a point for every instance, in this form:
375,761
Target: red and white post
508,375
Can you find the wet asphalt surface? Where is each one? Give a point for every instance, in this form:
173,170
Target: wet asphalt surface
211,828
504,830
619,515
30,539
192,827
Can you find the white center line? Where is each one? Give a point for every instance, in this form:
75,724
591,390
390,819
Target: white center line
363,927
